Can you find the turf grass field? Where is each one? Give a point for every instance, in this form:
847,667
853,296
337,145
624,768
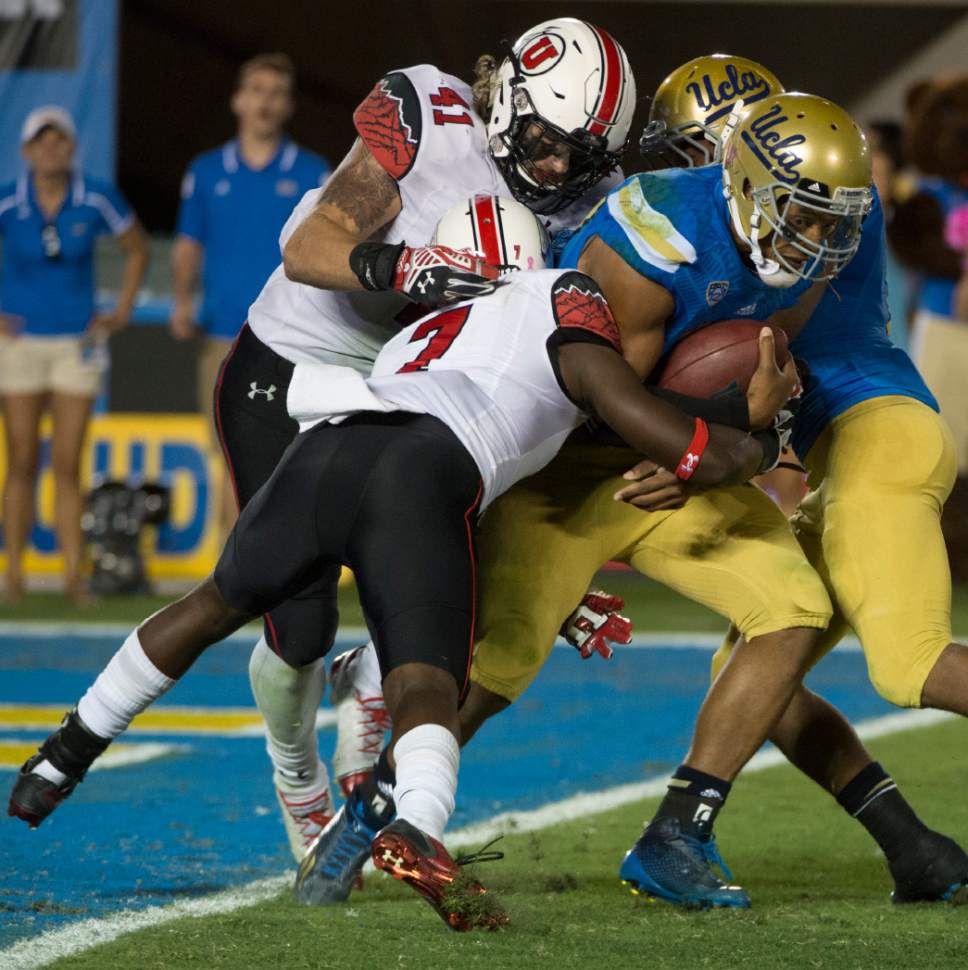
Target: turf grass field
819,892
819,888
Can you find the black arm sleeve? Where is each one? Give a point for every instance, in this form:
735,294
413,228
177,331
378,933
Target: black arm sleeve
728,408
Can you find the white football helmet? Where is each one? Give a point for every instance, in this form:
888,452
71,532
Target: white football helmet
506,233
565,89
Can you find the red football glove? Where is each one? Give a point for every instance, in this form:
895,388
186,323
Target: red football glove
596,621
437,274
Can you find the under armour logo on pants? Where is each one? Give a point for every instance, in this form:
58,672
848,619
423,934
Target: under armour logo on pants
269,393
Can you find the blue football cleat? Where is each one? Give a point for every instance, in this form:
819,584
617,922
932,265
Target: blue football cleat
666,864
330,868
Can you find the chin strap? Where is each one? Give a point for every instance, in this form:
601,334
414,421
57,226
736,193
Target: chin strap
768,270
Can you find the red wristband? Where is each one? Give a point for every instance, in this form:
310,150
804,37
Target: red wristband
689,462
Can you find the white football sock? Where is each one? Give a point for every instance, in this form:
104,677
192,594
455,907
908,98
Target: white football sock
427,758
126,686
288,699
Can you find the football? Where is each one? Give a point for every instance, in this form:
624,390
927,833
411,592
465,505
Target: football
711,359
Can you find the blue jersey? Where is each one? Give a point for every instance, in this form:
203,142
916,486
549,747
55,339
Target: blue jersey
237,213
47,281
937,293
846,344
673,227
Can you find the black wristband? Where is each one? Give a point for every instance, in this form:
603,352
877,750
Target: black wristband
729,407
770,443
375,264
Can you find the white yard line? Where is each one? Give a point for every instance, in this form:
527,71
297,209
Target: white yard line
39,951
81,631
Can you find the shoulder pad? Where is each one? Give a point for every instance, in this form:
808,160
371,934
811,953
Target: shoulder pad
389,123
578,305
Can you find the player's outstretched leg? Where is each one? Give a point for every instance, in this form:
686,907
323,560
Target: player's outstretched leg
148,663
356,691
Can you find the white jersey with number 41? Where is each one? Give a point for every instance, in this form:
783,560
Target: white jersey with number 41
419,125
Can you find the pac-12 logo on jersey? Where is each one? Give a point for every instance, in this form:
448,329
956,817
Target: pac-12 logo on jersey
716,291
541,54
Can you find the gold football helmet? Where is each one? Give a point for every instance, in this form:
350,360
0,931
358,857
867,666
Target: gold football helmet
797,177
692,104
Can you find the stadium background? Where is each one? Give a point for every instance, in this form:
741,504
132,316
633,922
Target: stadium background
146,127
149,83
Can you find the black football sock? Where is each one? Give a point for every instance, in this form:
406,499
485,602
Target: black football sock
873,798
694,798
376,793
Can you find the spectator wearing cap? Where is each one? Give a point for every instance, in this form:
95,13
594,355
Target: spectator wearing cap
235,201
49,329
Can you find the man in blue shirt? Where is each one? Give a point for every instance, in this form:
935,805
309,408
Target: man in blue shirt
235,200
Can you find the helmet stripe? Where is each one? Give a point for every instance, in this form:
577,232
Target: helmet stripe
487,232
610,90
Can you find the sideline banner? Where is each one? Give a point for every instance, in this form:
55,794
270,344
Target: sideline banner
173,449
61,52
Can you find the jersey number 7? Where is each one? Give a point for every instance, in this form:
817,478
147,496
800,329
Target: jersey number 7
445,327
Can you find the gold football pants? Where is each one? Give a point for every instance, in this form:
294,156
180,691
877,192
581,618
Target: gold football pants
871,527
541,543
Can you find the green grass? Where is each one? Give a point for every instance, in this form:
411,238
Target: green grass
820,893
652,607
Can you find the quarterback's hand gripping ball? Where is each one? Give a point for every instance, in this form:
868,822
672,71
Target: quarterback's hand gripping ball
596,622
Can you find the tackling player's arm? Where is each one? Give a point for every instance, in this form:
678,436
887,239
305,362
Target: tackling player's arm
603,385
586,350
331,247
359,199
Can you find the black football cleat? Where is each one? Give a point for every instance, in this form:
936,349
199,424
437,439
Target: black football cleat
933,869
71,749
406,853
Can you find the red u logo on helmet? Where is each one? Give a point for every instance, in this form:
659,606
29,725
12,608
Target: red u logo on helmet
543,49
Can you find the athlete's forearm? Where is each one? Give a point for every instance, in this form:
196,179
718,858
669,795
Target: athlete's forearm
359,199
606,386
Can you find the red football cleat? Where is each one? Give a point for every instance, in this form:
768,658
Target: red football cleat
461,901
